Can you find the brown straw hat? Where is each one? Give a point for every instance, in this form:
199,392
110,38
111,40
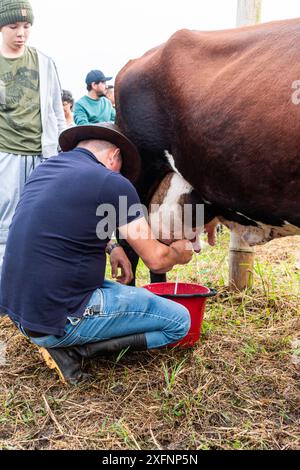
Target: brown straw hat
131,166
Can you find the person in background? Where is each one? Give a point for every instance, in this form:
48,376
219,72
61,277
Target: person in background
95,107
110,94
68,104
31,112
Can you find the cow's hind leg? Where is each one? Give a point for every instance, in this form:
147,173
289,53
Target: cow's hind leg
157,278
134,259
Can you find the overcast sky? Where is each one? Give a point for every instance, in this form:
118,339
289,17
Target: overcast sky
93,34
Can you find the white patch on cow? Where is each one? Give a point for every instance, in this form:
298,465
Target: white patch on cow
166,218
288,223
242,237
178,187
171,162
245,217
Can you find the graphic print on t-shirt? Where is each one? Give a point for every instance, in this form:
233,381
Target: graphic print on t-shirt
15,94
20,116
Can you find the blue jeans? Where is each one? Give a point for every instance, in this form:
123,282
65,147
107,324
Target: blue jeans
123,311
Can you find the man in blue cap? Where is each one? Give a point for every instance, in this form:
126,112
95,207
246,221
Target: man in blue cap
94,108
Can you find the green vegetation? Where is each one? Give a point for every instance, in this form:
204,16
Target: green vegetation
238,388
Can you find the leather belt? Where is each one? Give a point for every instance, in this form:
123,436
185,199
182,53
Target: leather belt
35,334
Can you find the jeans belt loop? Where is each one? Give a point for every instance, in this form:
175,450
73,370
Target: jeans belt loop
74,321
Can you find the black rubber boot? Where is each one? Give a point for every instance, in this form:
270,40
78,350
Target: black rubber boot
111,346
67,362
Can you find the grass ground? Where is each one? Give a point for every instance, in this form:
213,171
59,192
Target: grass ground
238,388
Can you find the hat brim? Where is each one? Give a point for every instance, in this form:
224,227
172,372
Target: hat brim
131,166
105,79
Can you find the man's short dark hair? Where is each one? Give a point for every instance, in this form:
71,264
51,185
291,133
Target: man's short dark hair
89,86
67,96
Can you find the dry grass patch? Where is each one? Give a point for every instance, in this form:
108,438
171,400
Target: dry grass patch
237,389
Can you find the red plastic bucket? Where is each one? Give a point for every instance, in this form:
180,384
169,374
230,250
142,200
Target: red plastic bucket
193,297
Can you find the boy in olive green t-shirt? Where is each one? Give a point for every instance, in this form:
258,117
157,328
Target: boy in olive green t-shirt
31,112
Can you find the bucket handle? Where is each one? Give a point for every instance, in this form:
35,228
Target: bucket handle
212,293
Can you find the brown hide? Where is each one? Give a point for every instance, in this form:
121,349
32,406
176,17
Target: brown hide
232,127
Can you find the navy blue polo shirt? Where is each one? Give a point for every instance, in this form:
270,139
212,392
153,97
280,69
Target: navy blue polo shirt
54,259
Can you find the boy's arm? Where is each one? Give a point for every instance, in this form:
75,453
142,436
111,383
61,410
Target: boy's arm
56,99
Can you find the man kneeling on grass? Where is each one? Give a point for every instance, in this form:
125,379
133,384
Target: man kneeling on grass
53,281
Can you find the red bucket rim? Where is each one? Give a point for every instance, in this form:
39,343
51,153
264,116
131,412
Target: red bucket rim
209,292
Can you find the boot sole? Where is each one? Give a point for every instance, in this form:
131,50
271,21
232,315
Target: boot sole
52,364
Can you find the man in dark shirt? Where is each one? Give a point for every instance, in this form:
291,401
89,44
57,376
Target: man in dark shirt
53,282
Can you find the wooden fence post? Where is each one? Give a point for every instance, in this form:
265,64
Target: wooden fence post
248,12
241,257
241,265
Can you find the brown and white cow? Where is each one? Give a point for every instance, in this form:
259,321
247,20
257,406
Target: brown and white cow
216,118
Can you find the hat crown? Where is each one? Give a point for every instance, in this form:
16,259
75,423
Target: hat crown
110,132
96,76
14,11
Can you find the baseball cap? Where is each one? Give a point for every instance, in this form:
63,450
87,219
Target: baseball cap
96,76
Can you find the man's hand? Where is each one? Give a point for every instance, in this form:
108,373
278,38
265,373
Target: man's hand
184,250
158,257
118,259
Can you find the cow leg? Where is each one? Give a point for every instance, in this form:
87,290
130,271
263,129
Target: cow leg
157,278
241,261
134,259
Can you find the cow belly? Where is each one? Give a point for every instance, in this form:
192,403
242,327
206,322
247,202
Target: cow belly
243,237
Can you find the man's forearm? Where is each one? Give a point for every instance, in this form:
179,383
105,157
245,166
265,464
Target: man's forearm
164,259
